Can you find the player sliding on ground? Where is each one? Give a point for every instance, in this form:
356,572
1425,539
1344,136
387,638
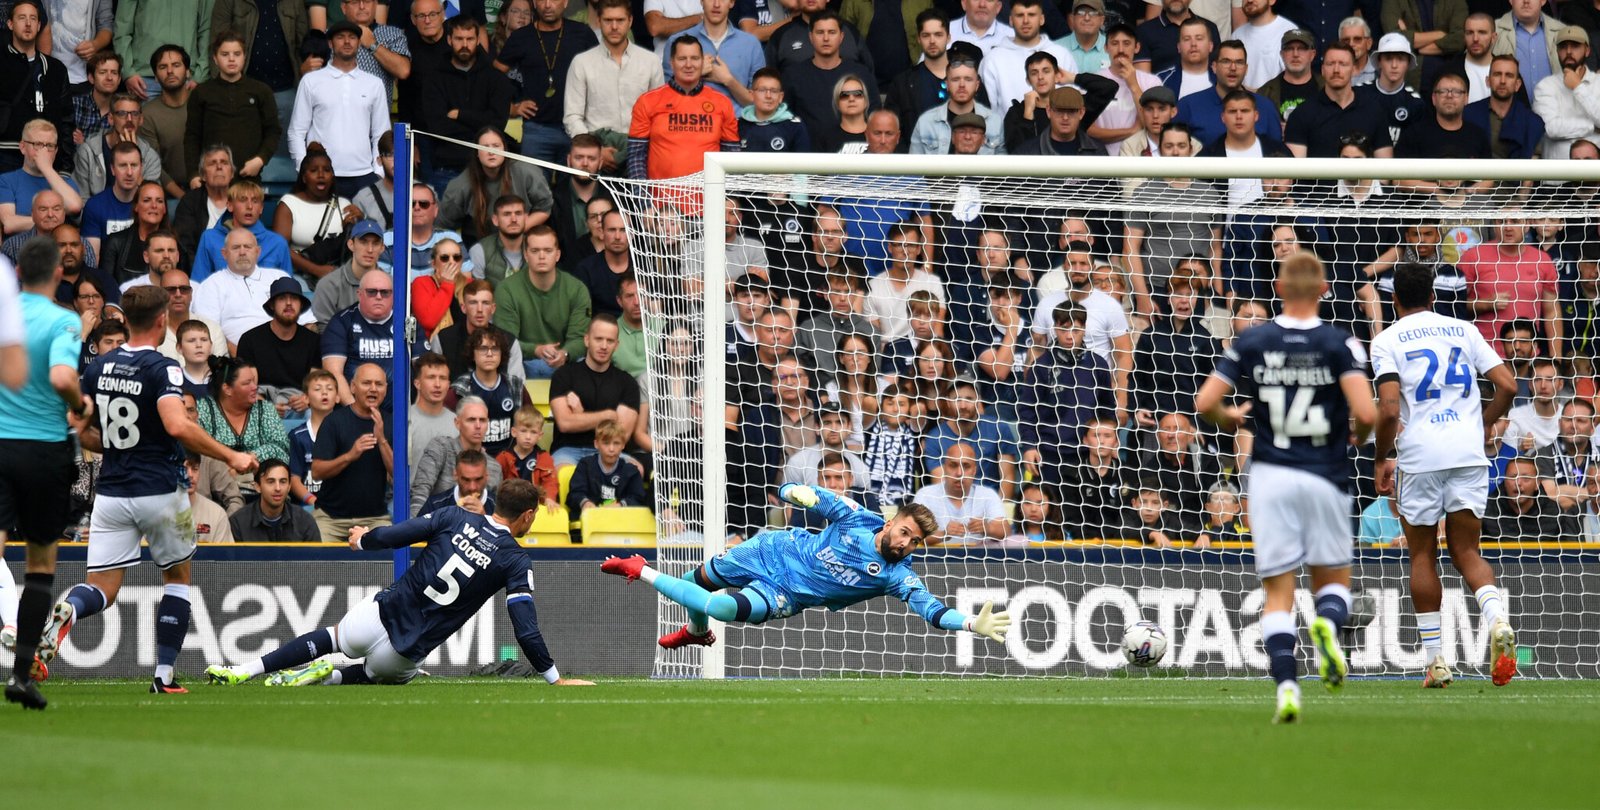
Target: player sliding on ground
1427,366
782,572
469,558
1302,382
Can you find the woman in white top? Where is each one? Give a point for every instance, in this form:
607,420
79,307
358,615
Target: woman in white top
312,208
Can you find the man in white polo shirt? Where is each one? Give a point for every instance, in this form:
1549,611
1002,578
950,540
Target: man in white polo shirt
234,299
344,108
980,27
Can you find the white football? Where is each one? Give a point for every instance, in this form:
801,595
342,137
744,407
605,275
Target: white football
1144,644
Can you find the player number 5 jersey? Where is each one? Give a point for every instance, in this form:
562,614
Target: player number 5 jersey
1437,361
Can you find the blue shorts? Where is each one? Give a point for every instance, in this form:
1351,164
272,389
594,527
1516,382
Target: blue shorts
743,567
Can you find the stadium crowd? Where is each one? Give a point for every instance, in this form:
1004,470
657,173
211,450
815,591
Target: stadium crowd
1027,375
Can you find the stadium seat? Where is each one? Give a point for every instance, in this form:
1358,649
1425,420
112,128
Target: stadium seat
619,526
550,529
539,395
564,478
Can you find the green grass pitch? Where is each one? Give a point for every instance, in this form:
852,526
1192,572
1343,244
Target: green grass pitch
828,745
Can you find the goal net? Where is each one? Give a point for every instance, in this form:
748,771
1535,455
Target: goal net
1017,343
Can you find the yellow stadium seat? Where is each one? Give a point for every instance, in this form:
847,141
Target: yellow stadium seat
619,526
564,478
549,529
539,395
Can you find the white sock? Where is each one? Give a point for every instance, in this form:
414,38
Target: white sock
1491,604
176,589
164,673
254,668
1428,627
1291,686
649,575
699,629
335,679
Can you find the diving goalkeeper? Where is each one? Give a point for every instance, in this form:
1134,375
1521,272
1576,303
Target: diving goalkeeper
782,572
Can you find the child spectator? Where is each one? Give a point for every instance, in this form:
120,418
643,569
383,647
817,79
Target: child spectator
488,381
1037,518
194,345
928,324
322,393
524,459
105,337
893,450
1153,522
605,479
1224,516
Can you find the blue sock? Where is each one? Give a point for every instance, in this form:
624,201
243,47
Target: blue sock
1278,634
302,650
1333,604
172,625
699,623
697,599
86,600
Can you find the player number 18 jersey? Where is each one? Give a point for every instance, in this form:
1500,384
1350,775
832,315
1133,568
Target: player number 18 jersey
1437,361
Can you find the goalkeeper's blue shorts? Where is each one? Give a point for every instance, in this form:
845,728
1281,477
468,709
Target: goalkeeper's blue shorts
744,566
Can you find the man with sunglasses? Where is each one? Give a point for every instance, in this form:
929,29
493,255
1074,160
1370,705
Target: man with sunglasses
362,334
933,130
180,294
424,215
339,290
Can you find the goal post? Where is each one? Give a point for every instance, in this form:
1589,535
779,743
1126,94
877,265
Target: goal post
716,468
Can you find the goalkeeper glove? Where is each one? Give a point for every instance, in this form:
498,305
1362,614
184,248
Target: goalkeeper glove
799,495
991,624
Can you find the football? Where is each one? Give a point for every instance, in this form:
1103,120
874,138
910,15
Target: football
1144,644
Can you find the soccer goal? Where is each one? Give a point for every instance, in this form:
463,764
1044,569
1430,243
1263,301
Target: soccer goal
1055,316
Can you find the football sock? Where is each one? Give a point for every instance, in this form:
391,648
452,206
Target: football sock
1491,604
33,608
1278,633
649,575
86,600
699,623
1428,627
1333,604
172,625
692,596
303,650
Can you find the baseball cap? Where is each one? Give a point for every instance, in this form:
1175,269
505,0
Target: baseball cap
1159,95
963,51
1572,33
367,227
1066,98
829,407
286,286
343,27
1301,36
1395,42
969,120
1097,5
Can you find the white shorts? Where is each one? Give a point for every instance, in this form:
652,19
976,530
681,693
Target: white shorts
1426,497
362,635
1297,518
117,524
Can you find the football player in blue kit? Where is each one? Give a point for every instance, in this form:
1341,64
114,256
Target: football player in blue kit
468,559
780,573
141,427
1306,397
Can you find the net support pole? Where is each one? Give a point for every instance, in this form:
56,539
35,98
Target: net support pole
401,372
714,393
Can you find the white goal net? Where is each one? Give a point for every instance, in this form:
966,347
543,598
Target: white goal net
1017,343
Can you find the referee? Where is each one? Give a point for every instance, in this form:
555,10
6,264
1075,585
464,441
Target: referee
36,465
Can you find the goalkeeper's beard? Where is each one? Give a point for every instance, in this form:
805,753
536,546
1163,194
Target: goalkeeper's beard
887,551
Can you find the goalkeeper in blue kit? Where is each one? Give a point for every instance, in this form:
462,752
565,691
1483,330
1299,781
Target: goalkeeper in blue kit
780,573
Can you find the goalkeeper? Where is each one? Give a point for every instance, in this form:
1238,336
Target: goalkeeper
782,572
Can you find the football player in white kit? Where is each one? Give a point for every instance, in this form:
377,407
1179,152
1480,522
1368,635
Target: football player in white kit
1427,367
